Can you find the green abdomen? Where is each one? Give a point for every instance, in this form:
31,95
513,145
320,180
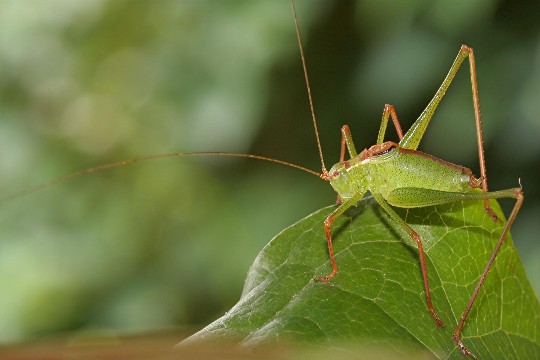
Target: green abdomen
407,168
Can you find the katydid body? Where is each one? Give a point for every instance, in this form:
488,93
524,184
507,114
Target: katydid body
398,168
397,175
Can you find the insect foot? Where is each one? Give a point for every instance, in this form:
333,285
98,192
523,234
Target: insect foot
323,279
326,278
438,321
462,347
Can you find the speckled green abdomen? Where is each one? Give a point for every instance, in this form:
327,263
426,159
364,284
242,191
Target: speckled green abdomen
403,168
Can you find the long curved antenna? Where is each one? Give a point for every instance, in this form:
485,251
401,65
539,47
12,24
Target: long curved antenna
323,175
324,171
148,158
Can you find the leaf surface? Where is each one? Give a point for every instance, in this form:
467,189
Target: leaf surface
377,298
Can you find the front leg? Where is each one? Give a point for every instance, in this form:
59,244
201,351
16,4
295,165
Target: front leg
328,230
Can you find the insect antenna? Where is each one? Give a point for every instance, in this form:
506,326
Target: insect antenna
148,158
324,171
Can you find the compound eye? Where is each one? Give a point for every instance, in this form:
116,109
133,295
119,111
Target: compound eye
335,174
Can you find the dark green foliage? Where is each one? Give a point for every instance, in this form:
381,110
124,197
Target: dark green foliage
377,299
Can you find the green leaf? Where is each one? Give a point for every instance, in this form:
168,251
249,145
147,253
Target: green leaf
377,298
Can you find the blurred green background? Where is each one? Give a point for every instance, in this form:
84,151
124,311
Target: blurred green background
167,244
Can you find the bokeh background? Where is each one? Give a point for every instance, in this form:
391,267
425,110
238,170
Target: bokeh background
167,244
